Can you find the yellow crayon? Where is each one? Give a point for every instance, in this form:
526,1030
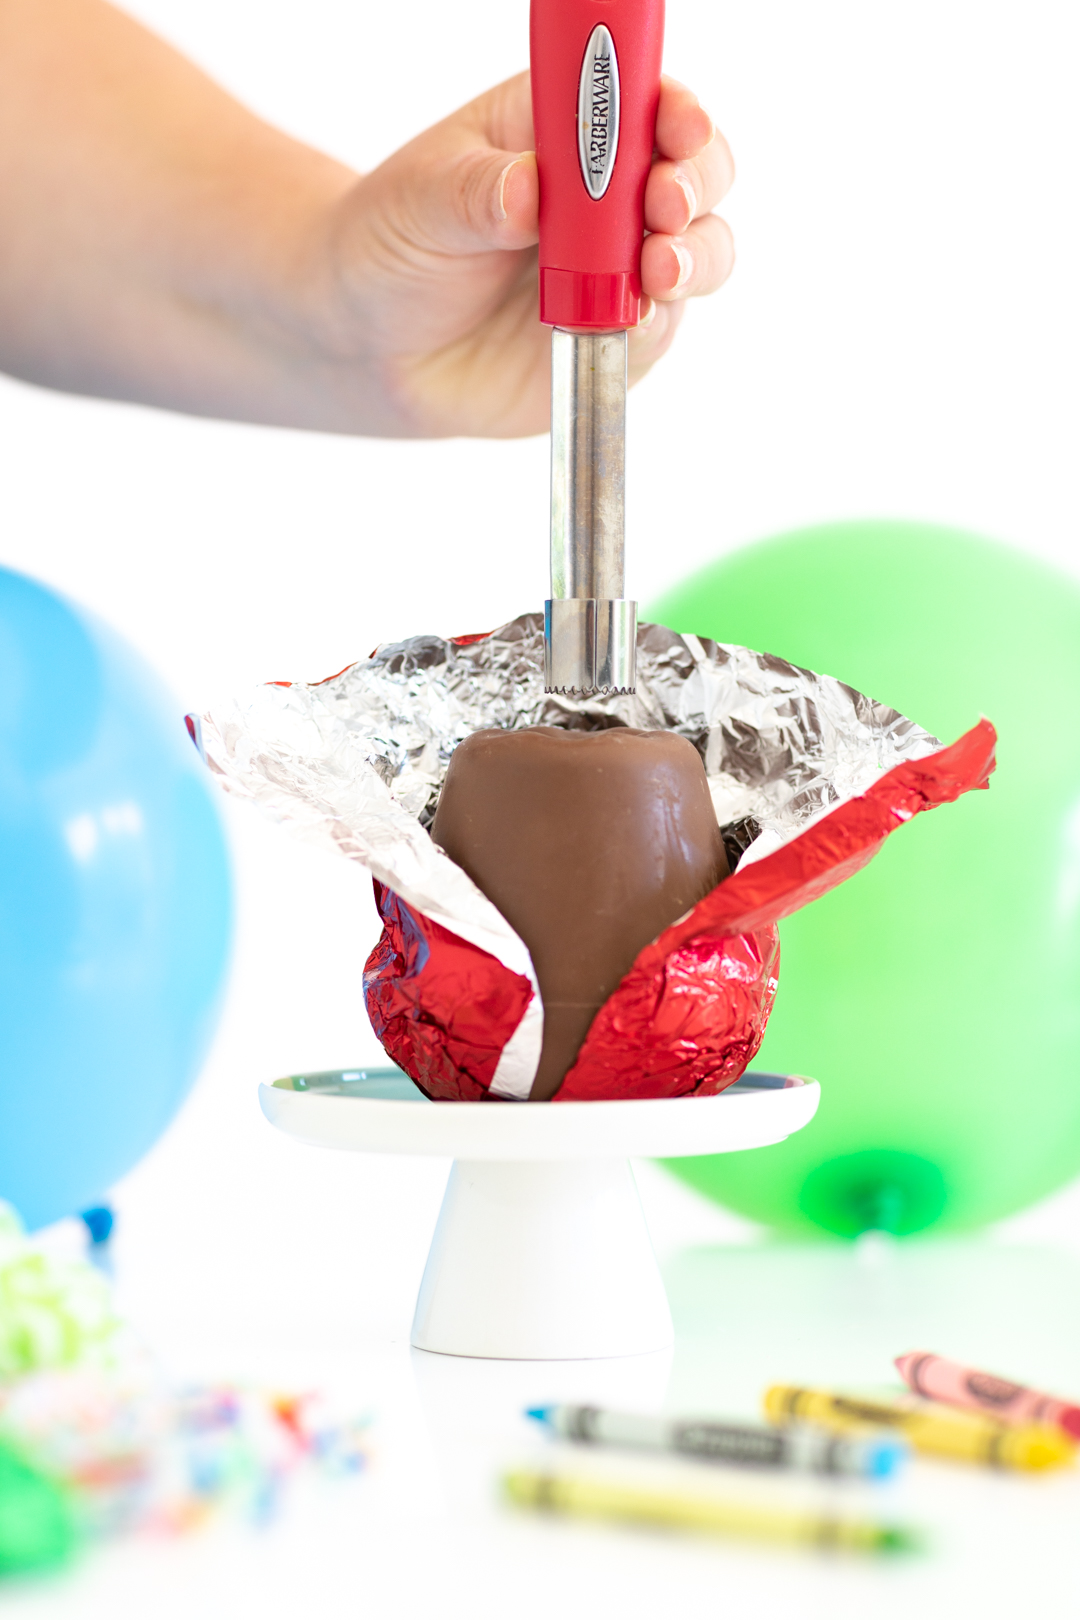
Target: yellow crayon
934,1430
682,1510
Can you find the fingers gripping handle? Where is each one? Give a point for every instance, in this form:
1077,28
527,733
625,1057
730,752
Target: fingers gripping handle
595,88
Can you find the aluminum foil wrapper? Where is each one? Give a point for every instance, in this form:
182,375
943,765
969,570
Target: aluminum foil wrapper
807,775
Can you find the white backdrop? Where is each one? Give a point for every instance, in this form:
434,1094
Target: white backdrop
900,338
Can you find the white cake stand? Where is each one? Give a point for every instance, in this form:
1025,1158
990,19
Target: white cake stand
541,1252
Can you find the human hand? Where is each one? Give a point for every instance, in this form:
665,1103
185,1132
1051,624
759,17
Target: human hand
429,280
197,259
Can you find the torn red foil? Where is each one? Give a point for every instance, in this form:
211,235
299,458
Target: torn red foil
356,764
443,1008
691,1013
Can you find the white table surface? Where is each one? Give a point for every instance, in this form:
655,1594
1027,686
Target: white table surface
242,1254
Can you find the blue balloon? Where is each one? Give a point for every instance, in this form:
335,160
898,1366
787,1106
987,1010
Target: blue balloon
115,905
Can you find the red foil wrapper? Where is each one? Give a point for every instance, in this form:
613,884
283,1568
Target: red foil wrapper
443,1009
356,764
691,1013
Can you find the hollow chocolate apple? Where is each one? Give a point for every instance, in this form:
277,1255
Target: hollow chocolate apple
590,843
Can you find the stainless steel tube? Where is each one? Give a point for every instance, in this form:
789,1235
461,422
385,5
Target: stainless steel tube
590,627
588,472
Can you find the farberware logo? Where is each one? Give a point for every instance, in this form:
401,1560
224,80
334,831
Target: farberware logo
598,111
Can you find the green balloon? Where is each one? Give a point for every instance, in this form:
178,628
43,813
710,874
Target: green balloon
936,995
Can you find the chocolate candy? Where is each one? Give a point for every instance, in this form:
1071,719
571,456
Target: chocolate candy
590,843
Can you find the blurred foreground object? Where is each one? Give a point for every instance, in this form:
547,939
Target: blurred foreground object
115,905
937,1379
701,1511
53,1313
38,1532
95,1441
938,1431
749,1445
139,1454
940,984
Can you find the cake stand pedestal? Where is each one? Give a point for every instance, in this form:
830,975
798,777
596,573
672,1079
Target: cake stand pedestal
541,1251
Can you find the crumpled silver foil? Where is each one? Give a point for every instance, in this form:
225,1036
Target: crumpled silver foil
779,743
356,762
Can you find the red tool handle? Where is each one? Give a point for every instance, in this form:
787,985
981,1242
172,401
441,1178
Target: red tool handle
595,87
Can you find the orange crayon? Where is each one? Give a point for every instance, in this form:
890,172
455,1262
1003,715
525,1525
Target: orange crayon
940,1380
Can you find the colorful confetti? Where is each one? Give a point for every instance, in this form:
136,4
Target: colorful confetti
84,1409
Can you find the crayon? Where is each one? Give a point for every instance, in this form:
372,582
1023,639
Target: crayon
683,1510
936,1432
811,1451
940,1380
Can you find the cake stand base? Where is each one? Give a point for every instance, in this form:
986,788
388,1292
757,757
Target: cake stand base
548,1261
541,1252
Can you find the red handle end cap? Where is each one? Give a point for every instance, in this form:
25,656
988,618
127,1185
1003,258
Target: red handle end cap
588,300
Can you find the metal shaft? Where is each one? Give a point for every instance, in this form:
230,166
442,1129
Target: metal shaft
588,476
590,627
